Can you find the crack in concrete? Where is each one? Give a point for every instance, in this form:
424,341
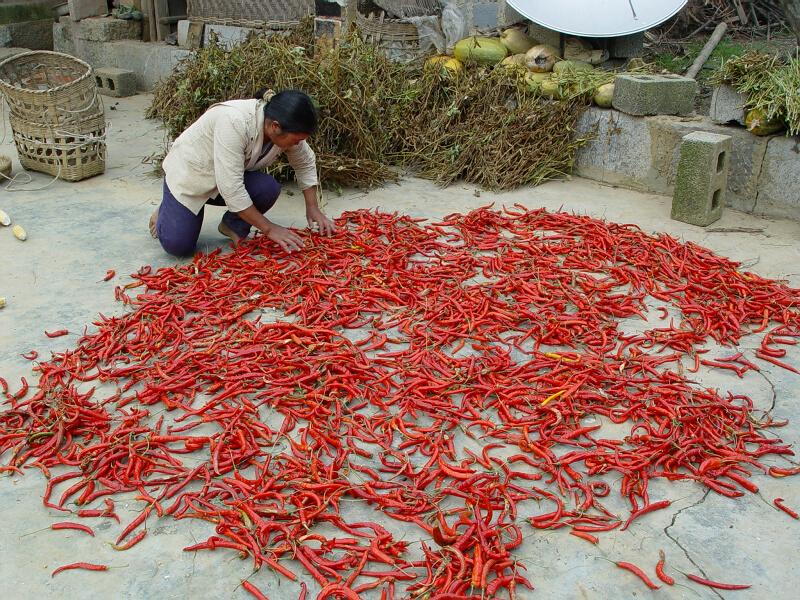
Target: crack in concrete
678,543
774,394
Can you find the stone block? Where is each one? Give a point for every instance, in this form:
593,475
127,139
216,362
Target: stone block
183,32
702,178
115,82
626,46
64,37
507,15
484,15
328,31
727,105
33,35
227,35
108,29
543,35
779,183
618,151
83,9
644,94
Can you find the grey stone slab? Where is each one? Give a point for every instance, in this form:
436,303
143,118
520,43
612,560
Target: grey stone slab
619,149
183,32
626,46
727,105
779,184
108,29
227,35
543,35
63,37
702,178
33,35
641,94
82,9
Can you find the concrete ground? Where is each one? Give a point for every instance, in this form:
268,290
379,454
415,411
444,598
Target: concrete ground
77,231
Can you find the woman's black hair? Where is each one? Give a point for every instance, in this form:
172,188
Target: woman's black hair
293,110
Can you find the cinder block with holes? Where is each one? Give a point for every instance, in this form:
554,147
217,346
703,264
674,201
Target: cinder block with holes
702,178
641,94
115,82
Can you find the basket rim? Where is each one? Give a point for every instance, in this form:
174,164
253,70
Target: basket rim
14,57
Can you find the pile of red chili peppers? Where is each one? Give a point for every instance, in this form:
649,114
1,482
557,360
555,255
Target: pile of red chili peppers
455,376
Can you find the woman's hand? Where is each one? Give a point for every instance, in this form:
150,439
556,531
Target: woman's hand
324,224
285,238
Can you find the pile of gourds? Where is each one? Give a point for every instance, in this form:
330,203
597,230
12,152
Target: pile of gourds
516,49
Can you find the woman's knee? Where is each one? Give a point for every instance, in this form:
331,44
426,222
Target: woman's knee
264,189
178,247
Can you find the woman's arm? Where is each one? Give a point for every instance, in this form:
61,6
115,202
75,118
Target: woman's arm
282,236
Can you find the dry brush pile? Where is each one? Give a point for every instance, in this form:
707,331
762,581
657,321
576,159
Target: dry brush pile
378,117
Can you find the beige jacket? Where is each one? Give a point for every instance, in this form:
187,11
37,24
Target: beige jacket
211,156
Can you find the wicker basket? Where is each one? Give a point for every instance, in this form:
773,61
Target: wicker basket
71,152
409,8
271,14
49,87
56,118
398,40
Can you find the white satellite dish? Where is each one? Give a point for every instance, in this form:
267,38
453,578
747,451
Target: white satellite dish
598,18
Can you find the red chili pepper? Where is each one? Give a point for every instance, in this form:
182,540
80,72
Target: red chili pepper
254,591
56,333
716,584
779,503
660,569
639,573
585,536
76,526
644,510
79,565
110,274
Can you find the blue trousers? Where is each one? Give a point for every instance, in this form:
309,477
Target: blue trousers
178,228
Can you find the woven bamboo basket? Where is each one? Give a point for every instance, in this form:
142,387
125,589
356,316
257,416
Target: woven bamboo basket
69,152
409,8
49,87
274,14
398,40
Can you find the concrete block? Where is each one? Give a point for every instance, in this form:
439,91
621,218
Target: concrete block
727,105
227,35
644,94
702,178
83,9
108,29
626,46
33,35
115,82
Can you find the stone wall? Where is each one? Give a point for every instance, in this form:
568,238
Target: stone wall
642,153
108,42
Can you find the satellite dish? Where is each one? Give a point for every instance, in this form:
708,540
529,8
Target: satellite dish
598,18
